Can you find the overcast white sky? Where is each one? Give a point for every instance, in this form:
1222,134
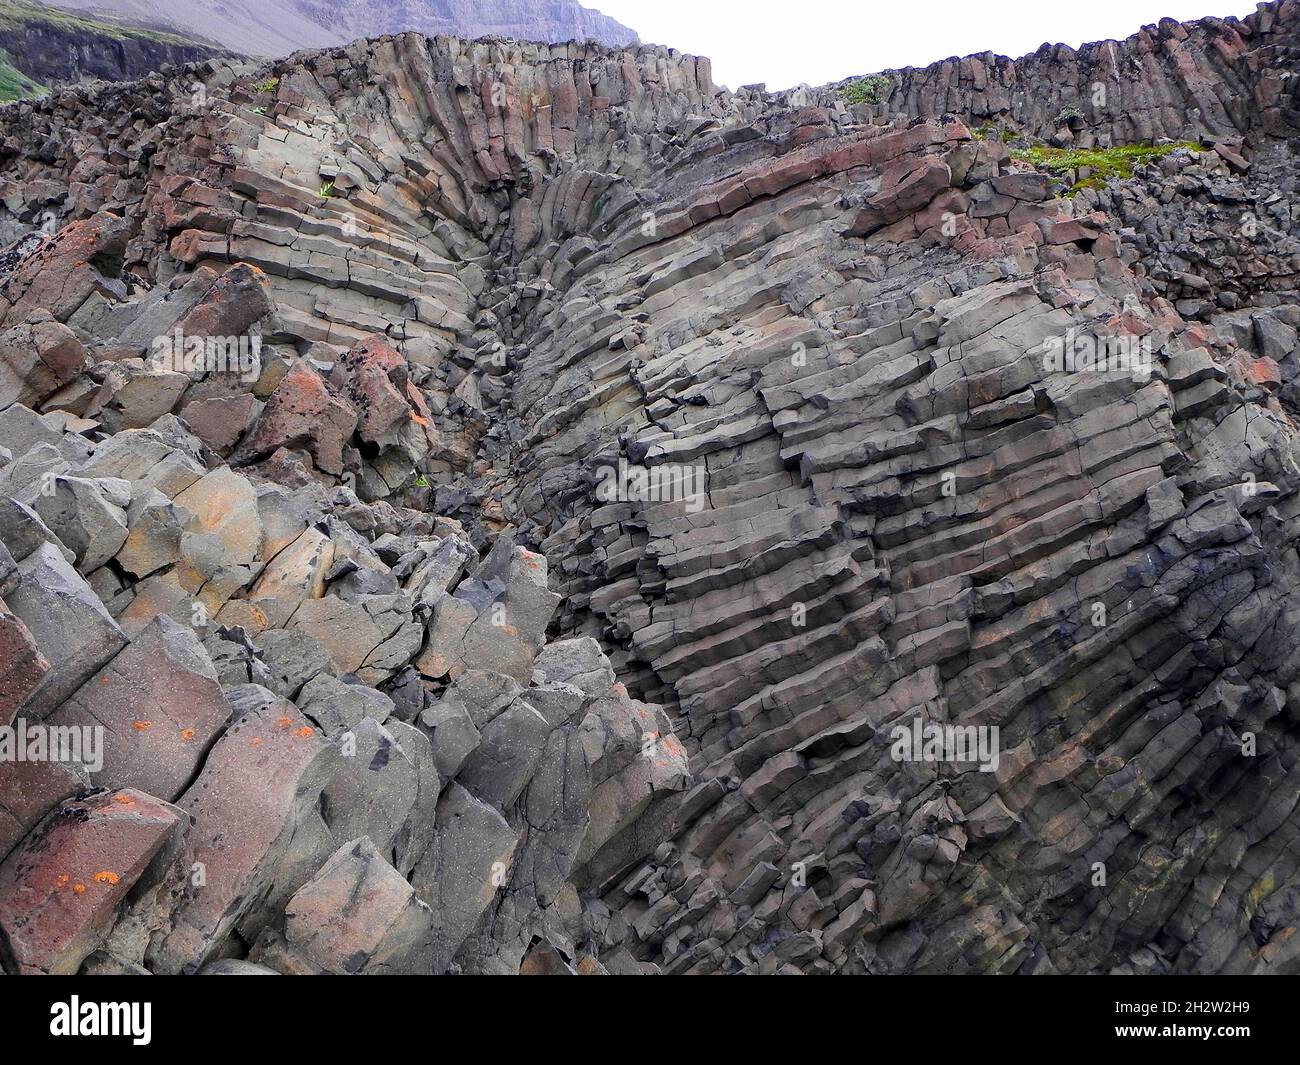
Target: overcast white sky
790,42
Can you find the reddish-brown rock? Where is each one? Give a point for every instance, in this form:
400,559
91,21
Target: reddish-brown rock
302,412
60,889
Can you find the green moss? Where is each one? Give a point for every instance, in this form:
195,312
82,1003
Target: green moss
269,85
14,84
1103,164
19,15
869,90
996,131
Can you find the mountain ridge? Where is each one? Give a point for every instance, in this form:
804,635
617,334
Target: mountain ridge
277,27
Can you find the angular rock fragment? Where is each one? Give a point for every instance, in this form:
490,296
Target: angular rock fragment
356,917
259,783
59,890
160,705
67,623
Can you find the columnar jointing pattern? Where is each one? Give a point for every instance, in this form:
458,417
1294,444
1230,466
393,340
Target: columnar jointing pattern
839,319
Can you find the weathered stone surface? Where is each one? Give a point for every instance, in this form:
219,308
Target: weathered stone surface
303,411
66,269
374,789
467,863
22,666
68,624
36,359
160,705
88,517
258,784
60,890
29,790
356,917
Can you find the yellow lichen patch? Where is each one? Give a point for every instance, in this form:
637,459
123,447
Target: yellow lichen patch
305,731
106,877
142,726
187,734
1264,887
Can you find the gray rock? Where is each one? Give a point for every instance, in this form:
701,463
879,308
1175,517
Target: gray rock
70,625
502,764
89,517
375,788
467,863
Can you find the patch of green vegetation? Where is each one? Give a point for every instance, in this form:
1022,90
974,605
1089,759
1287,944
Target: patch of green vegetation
269,85
327,190
1102,165
15,85
259,110
18,15
993,129
422,481
868,90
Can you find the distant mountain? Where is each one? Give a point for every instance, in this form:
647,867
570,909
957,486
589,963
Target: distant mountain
42,46
536,20
278,27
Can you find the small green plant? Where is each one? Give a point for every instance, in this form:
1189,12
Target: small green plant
326,190
422,481
259,110
269,85
1102,164
869,90
1067,113
992,129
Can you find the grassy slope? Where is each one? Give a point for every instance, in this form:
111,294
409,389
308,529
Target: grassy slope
14,84
15,14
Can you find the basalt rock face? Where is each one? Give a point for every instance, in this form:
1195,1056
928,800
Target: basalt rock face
906,441
1176,80
53,54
